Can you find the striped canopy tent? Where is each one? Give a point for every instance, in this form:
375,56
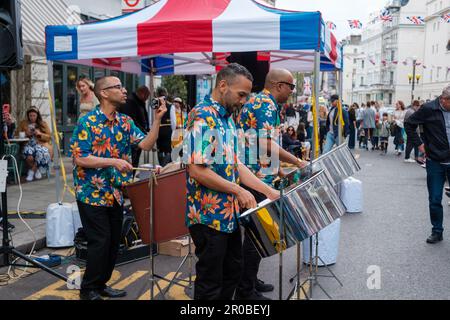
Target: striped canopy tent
195,37
192,37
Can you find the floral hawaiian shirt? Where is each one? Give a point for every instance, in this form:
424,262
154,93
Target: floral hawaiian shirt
262,114
211,141
98,136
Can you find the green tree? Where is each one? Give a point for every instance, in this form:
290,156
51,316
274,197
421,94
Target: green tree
176,86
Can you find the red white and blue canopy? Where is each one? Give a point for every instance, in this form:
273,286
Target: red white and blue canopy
195,36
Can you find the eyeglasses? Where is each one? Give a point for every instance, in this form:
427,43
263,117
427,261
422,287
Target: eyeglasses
117,86
291,85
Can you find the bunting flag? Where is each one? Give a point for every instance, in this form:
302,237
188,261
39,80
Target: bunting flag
384,62
331,25
446,17
395,62
424,66
372,61
418,63
355,24
405,63
385,15
416,19
307,86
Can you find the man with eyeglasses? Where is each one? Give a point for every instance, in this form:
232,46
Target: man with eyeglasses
101,150
260,121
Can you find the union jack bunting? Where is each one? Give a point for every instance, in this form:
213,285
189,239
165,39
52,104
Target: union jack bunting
424,66
416,19
385,15
446,17
372,61
355,24
418,63
331,25
307,86
405,63
395,62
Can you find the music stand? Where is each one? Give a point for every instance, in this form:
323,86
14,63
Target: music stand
159,230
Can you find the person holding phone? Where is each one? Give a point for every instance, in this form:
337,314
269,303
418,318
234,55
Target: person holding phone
38,152
9,122
101,150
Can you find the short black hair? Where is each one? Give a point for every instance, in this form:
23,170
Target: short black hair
334,97
161,91
231,71
385,114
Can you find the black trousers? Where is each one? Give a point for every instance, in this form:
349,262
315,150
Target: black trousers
409,147
135,155
250,257
218,269
103,229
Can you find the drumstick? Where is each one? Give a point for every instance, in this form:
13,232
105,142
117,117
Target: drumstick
143,169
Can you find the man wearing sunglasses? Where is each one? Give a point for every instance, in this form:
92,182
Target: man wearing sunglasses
333,123
101,149
260,121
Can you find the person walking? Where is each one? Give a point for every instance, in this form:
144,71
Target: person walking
352,125
434,118
333,123
399,119
368,124
409,145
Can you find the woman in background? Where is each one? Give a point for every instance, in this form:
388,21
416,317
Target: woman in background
88,100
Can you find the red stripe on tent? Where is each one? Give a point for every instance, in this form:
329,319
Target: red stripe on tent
180,26
333,53
108,62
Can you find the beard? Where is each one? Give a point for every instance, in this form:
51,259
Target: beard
230,105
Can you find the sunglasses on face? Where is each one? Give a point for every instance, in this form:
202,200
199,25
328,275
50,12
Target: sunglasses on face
291,85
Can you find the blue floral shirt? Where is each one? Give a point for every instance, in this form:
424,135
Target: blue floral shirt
211,141
98,136
262,114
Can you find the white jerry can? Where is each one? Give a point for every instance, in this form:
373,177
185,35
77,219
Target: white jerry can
352,195
60,226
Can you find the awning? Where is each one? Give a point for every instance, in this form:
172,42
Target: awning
36,15
188,36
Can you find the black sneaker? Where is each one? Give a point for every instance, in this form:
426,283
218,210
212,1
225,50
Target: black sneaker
254,296
263,287
434,237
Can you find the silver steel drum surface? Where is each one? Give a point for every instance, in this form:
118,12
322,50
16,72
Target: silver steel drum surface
312,206
339,164
263,228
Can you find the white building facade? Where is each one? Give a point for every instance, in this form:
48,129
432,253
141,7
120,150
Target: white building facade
385,65
436,74
352,50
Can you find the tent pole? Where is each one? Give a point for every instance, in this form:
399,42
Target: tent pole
316,97
56,159
339,92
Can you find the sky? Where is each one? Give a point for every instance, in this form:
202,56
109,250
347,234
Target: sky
337,11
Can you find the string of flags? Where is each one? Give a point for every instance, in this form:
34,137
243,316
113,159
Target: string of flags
386,16
416,19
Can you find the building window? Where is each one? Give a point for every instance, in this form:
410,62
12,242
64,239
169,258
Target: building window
392,55
391,78
362,64
362,81
390,98
448,45
355,50
431,75
438,72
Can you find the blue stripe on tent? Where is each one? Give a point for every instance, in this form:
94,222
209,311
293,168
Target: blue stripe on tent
51,32
145,65
298,30
164,66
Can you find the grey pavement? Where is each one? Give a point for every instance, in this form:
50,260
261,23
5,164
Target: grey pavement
389,236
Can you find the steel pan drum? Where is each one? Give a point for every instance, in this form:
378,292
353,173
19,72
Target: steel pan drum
263,227
307,208
312,206
339,164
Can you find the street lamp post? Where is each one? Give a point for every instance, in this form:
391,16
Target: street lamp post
413,79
